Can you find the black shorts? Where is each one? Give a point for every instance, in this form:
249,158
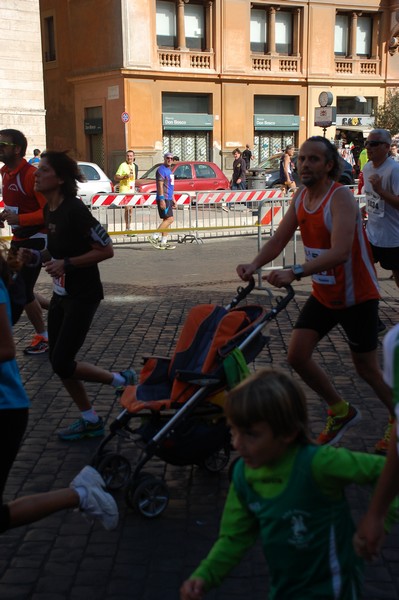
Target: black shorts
360,322
167,212
387,257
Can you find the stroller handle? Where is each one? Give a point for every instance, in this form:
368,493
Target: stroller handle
283,301
242,292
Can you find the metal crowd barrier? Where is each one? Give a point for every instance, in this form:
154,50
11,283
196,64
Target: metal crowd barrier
204,215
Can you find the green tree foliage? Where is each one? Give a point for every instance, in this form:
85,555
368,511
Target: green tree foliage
387,114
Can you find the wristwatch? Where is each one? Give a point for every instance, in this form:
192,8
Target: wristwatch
298,271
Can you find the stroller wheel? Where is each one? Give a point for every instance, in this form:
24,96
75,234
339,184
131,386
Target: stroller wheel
115,470
218,460
149,496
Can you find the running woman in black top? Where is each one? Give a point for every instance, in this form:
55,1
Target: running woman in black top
76,244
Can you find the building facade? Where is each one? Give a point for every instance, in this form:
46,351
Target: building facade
21,82
202,77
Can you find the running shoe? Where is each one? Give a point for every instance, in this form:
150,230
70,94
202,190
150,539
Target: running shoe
166,246
82,429
130,377
95,502
337,426
382,445
39,345
153,241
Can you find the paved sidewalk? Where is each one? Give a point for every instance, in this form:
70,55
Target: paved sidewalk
148,295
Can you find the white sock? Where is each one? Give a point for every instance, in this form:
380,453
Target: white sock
164,239
43,334
82,493
155,236
118,380
90,415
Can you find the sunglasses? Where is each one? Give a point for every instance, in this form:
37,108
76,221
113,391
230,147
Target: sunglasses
7,144
373,144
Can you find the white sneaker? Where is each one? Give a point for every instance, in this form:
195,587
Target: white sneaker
97,502
152,240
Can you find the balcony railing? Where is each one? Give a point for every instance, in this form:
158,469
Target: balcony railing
357,66
176,59
275,64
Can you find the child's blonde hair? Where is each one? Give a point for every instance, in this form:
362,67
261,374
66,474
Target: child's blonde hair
272,396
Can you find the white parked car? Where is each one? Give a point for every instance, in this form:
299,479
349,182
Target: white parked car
96,182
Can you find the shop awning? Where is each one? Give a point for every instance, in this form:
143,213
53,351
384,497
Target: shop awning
364,129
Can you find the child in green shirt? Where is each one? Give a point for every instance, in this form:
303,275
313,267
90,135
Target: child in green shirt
291,493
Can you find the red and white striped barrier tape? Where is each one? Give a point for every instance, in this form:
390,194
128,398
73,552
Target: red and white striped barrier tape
237,196
133,199
272,216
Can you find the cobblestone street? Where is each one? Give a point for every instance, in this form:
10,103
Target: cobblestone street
147,297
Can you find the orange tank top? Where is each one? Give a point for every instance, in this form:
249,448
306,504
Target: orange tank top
350,283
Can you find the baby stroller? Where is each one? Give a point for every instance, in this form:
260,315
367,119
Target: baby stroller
178,402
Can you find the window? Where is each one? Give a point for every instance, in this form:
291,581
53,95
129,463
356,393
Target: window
181,26
166,24
49,39
272,30
89,172
258,32
345,44
363,36
194,26
284,32
204,172
341,40
183,172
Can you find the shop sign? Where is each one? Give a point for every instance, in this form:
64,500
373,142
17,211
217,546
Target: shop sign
191,122
93,126
325,116
276,122
355,120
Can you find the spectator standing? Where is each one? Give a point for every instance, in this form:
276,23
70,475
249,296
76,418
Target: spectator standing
165,203
344,281
394,152
363,158
36,157
24,213
239,178
126,175
76,244
287,169
247,156
290,493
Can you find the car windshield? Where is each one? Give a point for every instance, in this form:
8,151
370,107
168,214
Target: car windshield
151,173
89,173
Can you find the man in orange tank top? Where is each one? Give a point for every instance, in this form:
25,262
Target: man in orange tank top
344,282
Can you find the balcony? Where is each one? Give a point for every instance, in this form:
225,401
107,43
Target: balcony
368,67
288,65
178,59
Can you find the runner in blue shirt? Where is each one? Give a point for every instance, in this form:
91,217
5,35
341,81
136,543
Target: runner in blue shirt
165,203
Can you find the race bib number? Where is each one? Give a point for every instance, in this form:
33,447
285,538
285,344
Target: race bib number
59,286
375,204
324,277
172,179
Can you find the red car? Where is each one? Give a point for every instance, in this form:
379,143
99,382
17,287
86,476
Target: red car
190,176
